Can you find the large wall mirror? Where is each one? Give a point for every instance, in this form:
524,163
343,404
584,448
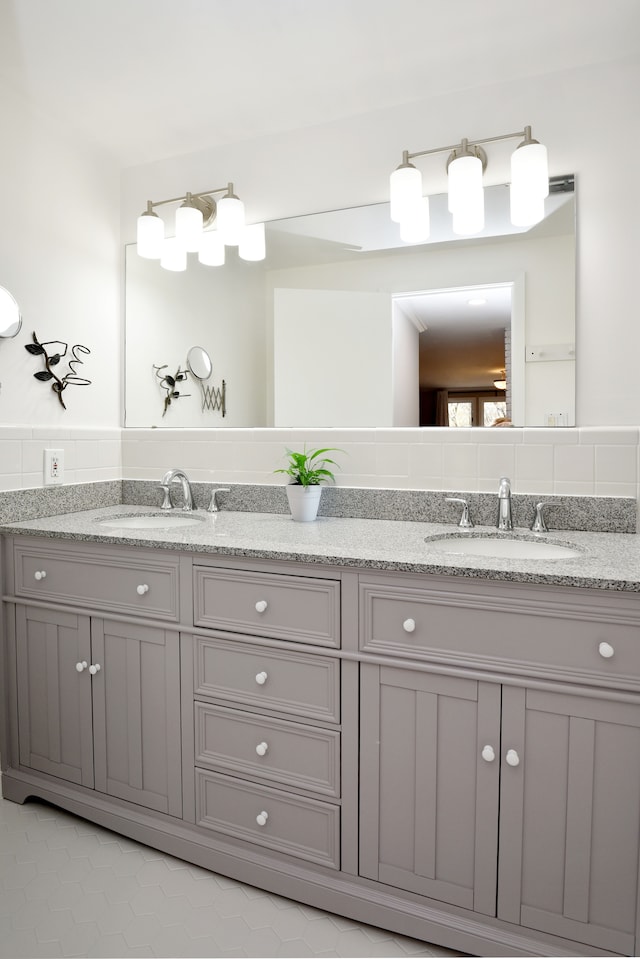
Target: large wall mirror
345,325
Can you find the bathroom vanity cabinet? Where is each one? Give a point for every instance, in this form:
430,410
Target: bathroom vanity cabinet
456,759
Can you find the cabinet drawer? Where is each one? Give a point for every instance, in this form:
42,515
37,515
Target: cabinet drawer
276,679
305,828
302,757
139,583
571,637
295,608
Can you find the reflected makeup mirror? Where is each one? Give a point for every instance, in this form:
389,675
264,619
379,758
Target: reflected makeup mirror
10,319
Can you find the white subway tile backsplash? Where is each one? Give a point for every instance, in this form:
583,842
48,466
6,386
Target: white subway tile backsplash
392,459
613,435
574,464
496,461
615,464
564,437
534,463
604,461
460,460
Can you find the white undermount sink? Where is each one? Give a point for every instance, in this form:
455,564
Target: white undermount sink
152,521
503,547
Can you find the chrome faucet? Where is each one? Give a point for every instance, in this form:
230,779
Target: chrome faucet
165,486
505,520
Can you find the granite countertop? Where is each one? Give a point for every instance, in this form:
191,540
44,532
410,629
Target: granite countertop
605,561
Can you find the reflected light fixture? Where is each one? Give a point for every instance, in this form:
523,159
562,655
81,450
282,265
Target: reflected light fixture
501,382
197,212
466,164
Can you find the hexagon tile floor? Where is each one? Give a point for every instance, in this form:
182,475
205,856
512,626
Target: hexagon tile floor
69,888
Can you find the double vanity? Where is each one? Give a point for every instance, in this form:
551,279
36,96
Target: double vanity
429,729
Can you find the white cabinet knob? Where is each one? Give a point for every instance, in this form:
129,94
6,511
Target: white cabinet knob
261,605
40,574
262,817
409,625
94,668
261,749
606,650
81,666
488,754
261,678
142,589
512,758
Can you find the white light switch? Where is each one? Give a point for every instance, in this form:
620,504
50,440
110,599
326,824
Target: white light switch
53,466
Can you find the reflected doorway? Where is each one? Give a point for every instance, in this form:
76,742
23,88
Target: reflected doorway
464,354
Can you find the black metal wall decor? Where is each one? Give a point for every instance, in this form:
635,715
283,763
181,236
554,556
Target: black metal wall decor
169,383
60,383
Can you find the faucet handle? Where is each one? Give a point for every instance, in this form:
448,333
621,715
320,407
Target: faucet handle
213,503
539,525
166,502
465,520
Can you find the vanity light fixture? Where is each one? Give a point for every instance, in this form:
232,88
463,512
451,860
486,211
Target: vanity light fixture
466,164
197,211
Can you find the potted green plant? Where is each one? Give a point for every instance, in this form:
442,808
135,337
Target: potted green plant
308,470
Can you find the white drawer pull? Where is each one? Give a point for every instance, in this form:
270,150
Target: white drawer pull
142,589
512,758
94,668
409,625
40,574
81,666
488,754
261,678
261,605
606,650
261,749
262,817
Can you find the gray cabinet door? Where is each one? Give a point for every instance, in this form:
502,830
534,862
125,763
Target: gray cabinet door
570,816
429,800
136,714
54,699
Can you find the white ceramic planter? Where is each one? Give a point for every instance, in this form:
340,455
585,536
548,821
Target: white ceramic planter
303,502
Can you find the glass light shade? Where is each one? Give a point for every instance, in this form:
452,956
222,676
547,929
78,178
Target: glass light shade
469,219
211,252
230,220
530,170
174,256
189,227
525,208
417,227
405,192
252,243
150,236
464,182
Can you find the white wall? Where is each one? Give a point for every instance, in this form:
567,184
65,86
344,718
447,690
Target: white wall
60,257
584,116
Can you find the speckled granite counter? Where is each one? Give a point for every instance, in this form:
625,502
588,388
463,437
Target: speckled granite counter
606,561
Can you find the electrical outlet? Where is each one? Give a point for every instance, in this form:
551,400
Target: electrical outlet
53,466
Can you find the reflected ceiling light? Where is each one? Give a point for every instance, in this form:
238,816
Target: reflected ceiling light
501,382
416,227
405,186
211,252
252,243
150,234
196,212
174,256
466,164
476,301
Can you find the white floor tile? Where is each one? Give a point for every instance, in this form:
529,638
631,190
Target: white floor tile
72,889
